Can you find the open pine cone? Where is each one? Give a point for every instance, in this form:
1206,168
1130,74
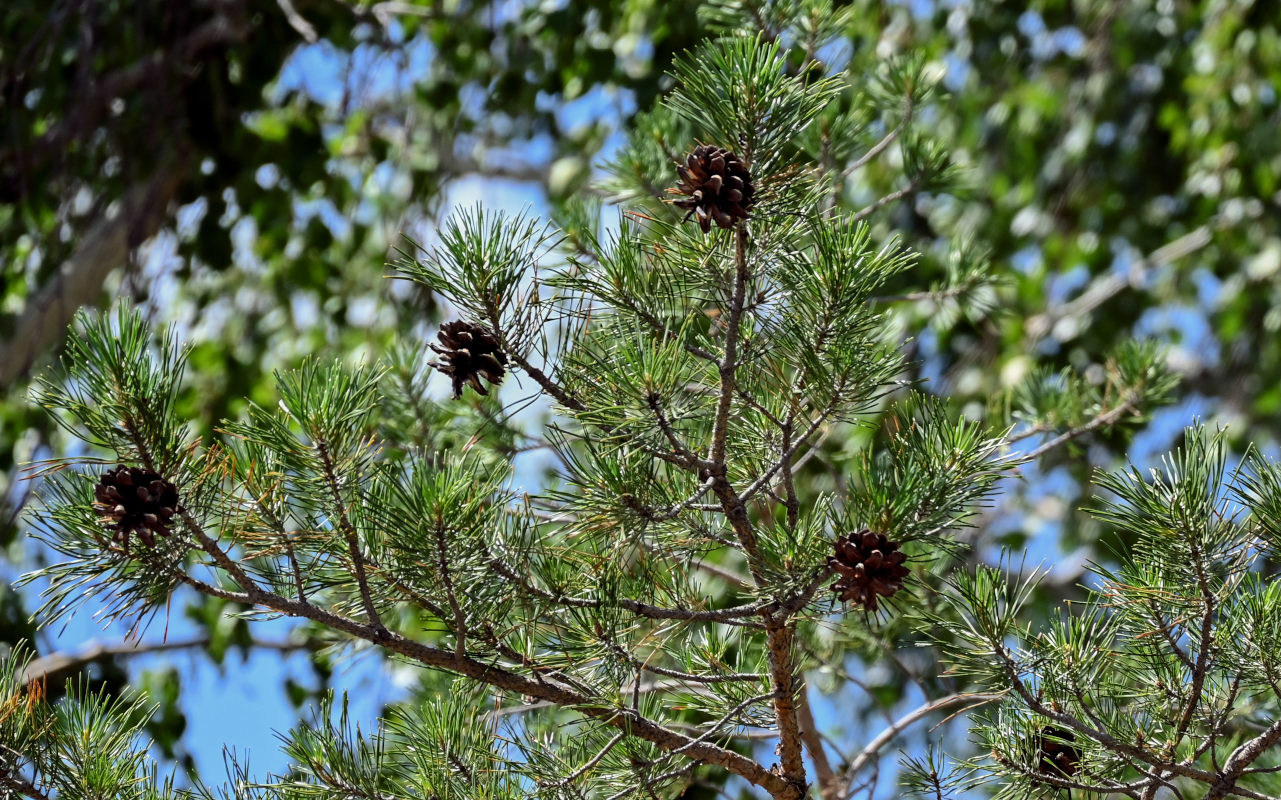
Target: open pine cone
868,565
469,353
1058,756
718,186
133,500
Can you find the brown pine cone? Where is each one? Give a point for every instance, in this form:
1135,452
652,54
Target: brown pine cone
868,565
133,500
1058,755
469,353
718,186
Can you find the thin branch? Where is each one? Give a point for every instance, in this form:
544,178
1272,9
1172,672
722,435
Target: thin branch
1101,420
1205,645
1107,286
64,662
763,479
592,762
19,784
873,748
886,141
753,404
678,447
715,726
551,387
733,578
936,296
297,22
353,540
789,486
892,197
829,784
447,581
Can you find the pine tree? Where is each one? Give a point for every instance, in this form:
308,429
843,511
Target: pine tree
622,630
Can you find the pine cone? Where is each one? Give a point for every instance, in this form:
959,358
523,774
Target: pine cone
469,353
133,500
1058,756
868,564
718,185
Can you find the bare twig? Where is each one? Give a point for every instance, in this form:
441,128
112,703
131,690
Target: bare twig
62,662
880,202
873,748
885,142
297,22
1107,286
1101,420
829,784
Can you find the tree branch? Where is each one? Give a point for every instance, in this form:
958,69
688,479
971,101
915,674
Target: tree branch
880,202
625,719
885,142
1101,420
829,784
873,748
50,666
19,784
1107,286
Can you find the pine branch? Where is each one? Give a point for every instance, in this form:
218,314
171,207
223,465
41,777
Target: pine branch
625,719
1163,765
353,540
